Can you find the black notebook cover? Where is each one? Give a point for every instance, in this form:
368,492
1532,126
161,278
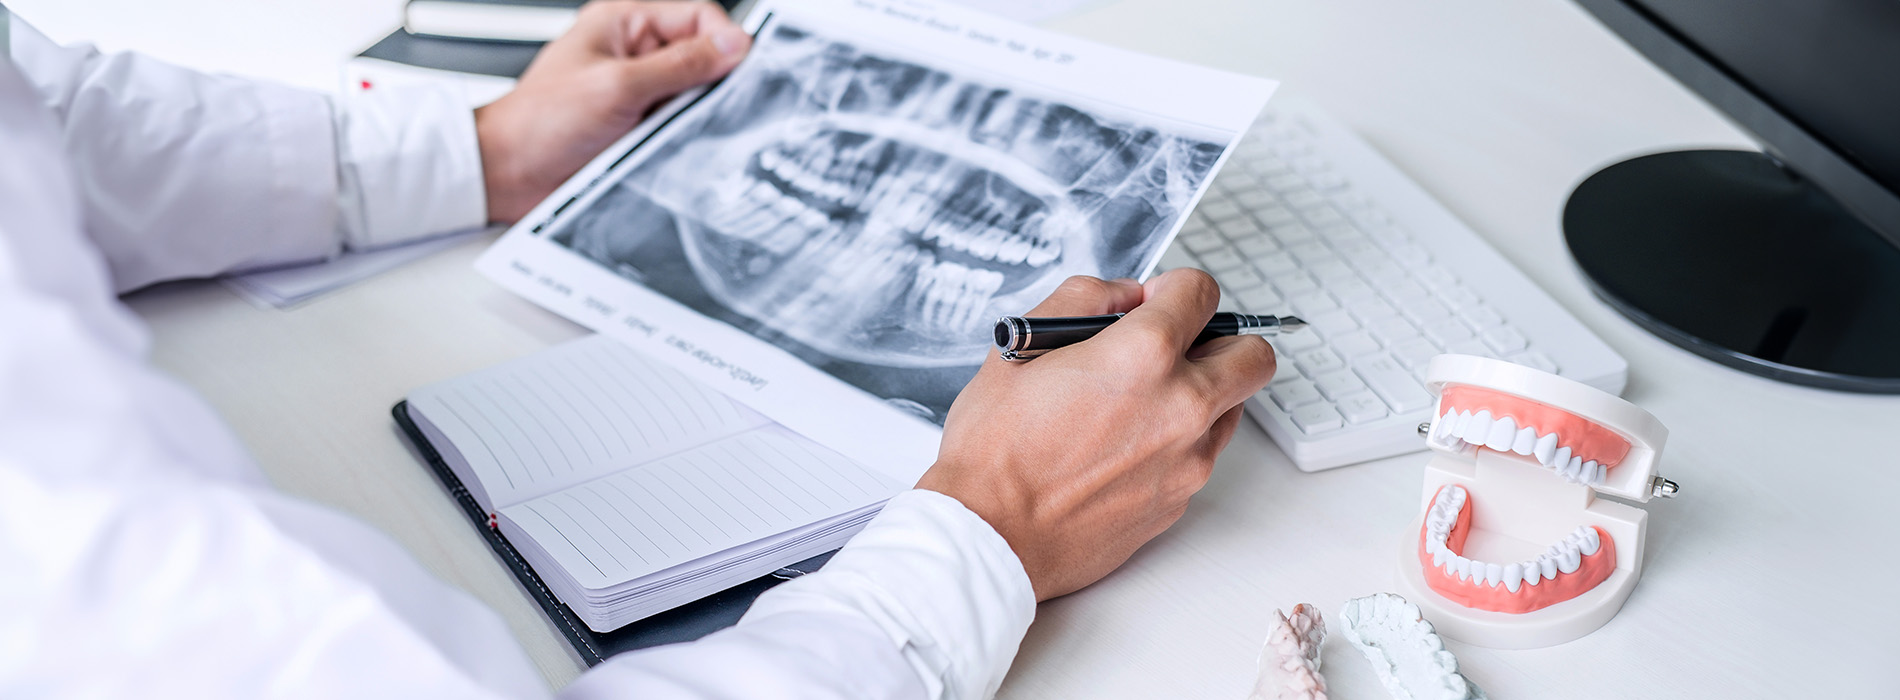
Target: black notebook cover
682,624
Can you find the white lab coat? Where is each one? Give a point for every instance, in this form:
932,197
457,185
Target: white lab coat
143,555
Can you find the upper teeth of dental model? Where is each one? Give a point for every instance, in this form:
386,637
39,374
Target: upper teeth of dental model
1290,660
1576,449
1404,649
1567,568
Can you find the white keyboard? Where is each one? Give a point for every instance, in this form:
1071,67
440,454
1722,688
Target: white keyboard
1306,219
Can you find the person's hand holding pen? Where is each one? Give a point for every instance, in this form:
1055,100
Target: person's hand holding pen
1082,456
593,85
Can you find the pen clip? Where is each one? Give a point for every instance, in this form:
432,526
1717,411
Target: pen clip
1021,355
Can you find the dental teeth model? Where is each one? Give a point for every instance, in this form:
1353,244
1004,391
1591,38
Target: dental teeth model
1513,549
1289,661
1404,650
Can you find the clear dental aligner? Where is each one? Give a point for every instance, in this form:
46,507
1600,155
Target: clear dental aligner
1404,649
884,211
1576,449
1564,570
1289,661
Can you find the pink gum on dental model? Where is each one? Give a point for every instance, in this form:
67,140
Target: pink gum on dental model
1472,593
1584,438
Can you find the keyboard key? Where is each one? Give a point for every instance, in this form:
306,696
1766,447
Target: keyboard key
1482,317
1228,304
1459,297
1276,264
1471,346
1275,215
1201,242
1534,360
1393,384
1326,181
1398,290
1260,300
1303,199
1314,303
1291,233
1386,235
1361,408
1257,245
1392,330
1241,229
1294,343
1332,273
1424,309
1293,394
1437,278
1238,181
1285,182
1505,339
1383,274
1323,217
1351,292
1268,167
1318,361
1220,210
1410,256
1294,283
1254,197
1336,385
1225,258
1311,252
1176,257
1415,353
1240,278
1331,324
1447,331
1317,418
1369,310
1355,344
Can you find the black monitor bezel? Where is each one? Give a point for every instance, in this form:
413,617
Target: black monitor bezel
1779,135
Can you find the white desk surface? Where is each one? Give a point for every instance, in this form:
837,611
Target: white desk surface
1769,577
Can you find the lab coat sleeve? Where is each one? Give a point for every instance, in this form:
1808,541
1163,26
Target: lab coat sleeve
182,174
927,602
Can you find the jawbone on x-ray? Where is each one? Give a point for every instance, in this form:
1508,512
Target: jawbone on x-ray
882,212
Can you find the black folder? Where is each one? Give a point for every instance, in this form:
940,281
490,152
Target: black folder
682,624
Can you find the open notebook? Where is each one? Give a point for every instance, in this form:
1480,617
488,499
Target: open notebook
631,489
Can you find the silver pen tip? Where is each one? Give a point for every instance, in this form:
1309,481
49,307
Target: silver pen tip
1291,323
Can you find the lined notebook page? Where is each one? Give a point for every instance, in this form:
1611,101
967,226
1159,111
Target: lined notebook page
571,414
694,504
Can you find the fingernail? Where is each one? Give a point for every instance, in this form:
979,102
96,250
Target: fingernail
729,41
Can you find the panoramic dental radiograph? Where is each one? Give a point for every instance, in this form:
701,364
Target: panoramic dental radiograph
873,216
1513,548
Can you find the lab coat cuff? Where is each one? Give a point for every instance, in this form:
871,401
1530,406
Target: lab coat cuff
410,166
938,580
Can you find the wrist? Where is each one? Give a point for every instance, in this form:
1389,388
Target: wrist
501,178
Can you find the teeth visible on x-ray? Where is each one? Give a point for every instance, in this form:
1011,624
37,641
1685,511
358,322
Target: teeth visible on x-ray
946,296
881,211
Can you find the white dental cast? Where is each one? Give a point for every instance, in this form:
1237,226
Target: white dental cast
1289,661
1563,556
1404,650
1465,430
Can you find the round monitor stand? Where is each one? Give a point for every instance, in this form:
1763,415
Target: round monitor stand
1733,257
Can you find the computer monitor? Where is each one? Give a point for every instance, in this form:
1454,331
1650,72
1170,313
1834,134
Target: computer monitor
1784,263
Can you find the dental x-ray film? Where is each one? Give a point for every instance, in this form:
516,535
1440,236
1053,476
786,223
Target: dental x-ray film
829,233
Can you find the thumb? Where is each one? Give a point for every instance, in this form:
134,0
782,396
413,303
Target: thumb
686,64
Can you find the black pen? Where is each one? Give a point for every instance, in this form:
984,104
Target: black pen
1022,338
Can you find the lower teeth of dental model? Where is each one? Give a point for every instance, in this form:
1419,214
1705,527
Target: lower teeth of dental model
1464,430
1562,557
1404,649
1290,661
